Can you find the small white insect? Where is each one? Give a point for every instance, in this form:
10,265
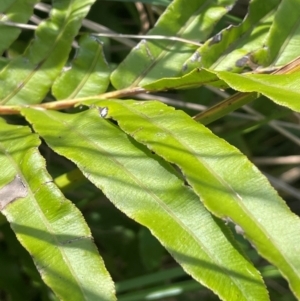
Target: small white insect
103,112
239,230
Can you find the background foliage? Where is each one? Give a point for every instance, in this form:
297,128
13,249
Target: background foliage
107,193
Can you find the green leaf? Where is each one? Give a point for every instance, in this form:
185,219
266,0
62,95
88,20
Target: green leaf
149,191
49,226
88,74
28,78
281,88
228,184
282,43
196,78
18,11
152,60
230,49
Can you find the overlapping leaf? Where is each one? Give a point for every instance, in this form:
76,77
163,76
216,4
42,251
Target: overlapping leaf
28,78
195,78
228,184
152,60
281,88
143,185
230,49
88,73
149,191
14,11
49,226
282,42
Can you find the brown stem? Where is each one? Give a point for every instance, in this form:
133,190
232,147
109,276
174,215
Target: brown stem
68,103
224,107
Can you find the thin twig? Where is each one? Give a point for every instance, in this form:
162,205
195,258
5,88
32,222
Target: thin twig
275,126
290,176
104,31
278,184
148,37
276,160
101,28
93,26
68,103
19,25
198,107
111,34
43,7
145,24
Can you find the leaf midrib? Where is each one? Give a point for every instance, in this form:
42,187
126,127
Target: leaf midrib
221,180
171,44
87,74
42,61
153,196
33,149
242,37
256,80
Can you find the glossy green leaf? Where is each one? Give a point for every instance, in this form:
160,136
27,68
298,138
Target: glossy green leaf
150,191
228,184
196,78
282,43
281,88
230,49
88,73
152,60
49,226
15,11
28,78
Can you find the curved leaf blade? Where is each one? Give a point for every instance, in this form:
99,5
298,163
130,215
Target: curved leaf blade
195,78
149,191
230,49
49,226
281,88
152,60
282,43
28,78
88,74
229,185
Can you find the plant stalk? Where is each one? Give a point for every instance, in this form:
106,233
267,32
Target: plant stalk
69,103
